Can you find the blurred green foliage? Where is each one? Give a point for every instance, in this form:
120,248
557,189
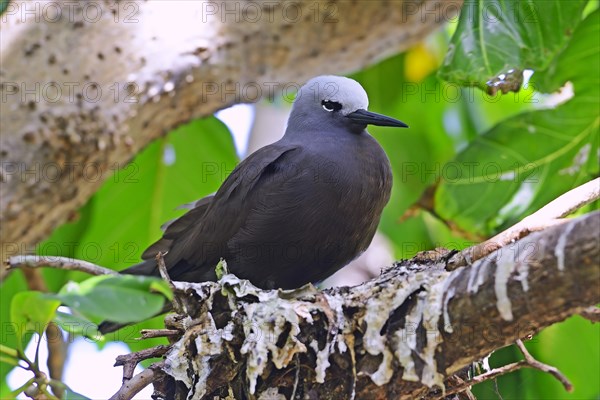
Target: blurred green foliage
489,160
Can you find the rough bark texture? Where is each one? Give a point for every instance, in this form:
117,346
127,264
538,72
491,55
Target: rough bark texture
402,335
85,85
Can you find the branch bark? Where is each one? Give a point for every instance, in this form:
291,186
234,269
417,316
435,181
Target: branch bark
402,335
85,85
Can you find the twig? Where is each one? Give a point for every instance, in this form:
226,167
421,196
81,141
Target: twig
469,394
544,367
545,217
528,362
130,361
164,273
69,264
457,380
505,369
591,313
135,385
154,333
162,268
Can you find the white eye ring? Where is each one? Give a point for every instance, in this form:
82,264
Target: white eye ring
335,106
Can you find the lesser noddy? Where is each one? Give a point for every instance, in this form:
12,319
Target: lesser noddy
295,211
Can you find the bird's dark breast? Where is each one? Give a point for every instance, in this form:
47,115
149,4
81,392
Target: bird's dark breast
319,212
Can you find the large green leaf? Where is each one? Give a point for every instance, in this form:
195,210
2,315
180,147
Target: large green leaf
577,63
495,37
524,162
122,298
30,312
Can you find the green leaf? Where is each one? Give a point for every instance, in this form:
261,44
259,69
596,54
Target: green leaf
512,170
124,298
221,269
31,311
162,287
578,63
76,325
496,37
528,160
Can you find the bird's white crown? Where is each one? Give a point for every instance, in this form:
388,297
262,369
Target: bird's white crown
345,91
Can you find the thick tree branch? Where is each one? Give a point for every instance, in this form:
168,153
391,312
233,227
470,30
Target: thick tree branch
402,335
86,85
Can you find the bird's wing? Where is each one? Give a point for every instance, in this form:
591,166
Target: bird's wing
174,227
200,236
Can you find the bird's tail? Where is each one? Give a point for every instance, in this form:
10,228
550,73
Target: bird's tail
147,267
110,326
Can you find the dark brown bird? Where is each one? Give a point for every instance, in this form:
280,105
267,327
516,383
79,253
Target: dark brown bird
295,211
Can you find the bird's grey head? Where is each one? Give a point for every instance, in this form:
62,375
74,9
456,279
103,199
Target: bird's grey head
333,101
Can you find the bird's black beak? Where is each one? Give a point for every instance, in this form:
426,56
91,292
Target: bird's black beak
371,118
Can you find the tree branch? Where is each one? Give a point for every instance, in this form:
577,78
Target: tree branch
130,361
402,335
65,263
135,385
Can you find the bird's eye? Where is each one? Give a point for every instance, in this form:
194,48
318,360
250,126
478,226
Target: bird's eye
331,105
